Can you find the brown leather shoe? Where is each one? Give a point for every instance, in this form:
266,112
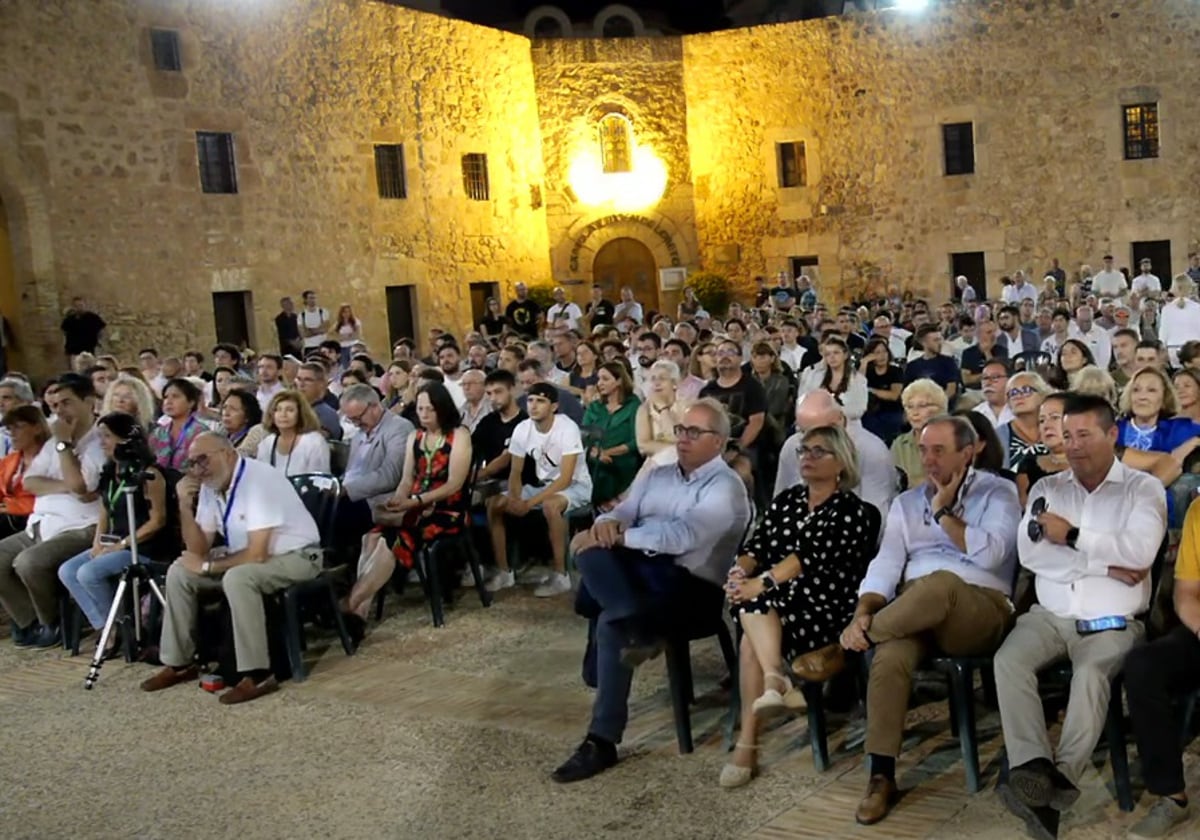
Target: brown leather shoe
881,795
820,664
168,677
247,690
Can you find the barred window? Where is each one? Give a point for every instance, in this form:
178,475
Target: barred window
1141,131
164,44
615,143
475,176
389,170
218,172
958,148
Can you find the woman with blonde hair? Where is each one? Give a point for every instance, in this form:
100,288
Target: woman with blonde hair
1025,392
131,396
1096,381
294,444
922,399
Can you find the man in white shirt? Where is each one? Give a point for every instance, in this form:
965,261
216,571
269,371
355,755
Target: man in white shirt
564,314
314,322
882,327
647,346
1179,321
450,364
541,352
1019,290
628,313
271,542
63,477
994,380
1147,284
1090,536
152,370
554,444
791,351
474,407
269,385
876,465
1094,336
966,292
1108,282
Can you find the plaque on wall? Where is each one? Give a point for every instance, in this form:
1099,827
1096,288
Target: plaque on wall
671,279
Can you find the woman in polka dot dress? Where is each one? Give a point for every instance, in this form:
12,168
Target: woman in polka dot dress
795,585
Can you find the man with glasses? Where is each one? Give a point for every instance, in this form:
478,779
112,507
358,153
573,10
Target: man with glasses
994,406
941,581
554,444
376,458
741,394
1090,537
310,382
271,542
657,559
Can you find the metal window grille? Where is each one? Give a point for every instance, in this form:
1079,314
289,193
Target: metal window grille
389,171
218,173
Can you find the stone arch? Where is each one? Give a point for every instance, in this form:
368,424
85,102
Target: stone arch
540,14
618,10
24,199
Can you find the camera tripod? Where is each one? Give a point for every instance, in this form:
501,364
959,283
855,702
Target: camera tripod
135,573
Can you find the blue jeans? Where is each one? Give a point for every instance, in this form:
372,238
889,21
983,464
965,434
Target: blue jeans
91,582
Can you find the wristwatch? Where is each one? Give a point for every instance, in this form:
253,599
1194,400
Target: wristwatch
768,581
206,568
1072,538
945,511
62,446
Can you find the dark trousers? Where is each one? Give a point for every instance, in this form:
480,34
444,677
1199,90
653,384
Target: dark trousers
1156,676
632,592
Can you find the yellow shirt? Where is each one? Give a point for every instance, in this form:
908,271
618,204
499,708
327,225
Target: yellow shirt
908,458
1187,562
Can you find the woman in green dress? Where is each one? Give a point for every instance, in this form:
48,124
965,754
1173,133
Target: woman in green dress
610,435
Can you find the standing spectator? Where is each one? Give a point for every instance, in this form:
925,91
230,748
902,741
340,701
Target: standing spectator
1019,291
688,306
314,321
287,328
1060,277
348,331
1179,322
81,329
563,314
628,313
172,438
1108,281
524,314
492,323
1146,284
599,309
294,444
966,292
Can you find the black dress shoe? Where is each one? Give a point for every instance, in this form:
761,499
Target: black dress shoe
1033,782
594,756
47,636
23,636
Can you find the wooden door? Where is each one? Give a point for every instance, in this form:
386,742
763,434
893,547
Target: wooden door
627,262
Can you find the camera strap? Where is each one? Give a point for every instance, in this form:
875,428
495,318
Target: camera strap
113,495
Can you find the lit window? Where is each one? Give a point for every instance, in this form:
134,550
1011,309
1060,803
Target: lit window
615,144
1141,131
475,176
793,164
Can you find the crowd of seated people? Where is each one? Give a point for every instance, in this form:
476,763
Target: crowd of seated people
668,434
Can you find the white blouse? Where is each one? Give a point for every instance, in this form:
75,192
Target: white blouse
310,454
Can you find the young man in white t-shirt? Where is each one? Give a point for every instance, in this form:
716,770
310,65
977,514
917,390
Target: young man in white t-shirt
271,542
314,321
553,442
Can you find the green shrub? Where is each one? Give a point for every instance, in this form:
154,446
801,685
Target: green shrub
713,291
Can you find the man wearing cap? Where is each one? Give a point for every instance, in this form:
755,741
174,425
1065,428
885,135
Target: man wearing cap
1108,282
1147,284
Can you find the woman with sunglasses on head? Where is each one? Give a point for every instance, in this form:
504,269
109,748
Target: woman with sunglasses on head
795,586
1020,435
1033,469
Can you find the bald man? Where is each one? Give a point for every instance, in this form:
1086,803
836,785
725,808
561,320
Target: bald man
474,407
875,463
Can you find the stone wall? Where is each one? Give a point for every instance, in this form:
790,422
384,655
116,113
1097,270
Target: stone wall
1043,82
578,81
99,178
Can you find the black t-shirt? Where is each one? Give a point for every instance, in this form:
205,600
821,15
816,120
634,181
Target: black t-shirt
600,313
81,330
490,438
891,376
742,400
523,315
491,325
941,369
973,357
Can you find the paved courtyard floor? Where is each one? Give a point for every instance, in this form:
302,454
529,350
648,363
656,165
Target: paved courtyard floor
452,733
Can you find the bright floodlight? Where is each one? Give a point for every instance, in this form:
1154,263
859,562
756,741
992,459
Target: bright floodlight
911,5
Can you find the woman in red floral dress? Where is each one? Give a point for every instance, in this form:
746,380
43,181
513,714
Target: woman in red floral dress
427,503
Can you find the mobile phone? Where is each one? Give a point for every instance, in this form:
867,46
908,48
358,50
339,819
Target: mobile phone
1097,625
109,539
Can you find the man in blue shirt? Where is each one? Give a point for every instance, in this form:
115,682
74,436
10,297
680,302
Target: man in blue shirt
941,581
932,364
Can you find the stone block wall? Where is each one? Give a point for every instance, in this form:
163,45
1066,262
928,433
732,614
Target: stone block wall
1043,82
99,176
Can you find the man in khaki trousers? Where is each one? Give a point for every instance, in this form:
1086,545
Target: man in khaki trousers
271,542
952,541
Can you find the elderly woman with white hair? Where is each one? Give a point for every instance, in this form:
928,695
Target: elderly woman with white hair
1021,436
661,412
922,399
1094,380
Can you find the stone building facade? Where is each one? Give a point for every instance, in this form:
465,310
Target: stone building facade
100,186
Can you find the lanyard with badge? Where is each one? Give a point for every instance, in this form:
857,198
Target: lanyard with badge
229,497
173,444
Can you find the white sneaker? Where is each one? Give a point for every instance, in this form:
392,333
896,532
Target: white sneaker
533,575
556,584
502,580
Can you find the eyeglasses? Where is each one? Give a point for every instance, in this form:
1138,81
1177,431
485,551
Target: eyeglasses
814,452
728,351
691,432
1021,391
358,419
1036,531
202,460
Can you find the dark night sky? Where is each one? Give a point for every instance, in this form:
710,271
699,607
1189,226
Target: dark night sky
685,15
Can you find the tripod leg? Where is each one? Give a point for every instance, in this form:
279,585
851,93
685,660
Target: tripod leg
101,643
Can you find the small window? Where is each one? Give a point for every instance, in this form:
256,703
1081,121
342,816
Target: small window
1141,131
619,26
475,176
958,147
615,143
389,171
164,43
547,26
793,164
218,173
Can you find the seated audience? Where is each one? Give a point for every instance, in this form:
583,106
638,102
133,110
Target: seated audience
835,375
271,542
89,576
552,441
427,503
171,438
661,412
994,381
1025,391
1050,435
795,584
610,428
1093,380
1089,538
217,390
1156,676
1187,391
475,405
28,433
63,477
990,455
1153,439
241,421
489,443
941,581
311,382
651,562
376,459
529,373
922,400
293,444
885,381
396,383
1073,356
14,391
932,364
130,396
582,382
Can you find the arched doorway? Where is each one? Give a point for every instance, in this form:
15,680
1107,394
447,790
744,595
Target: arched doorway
627,262
9,301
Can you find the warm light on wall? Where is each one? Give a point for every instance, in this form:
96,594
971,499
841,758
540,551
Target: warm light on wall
637,189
